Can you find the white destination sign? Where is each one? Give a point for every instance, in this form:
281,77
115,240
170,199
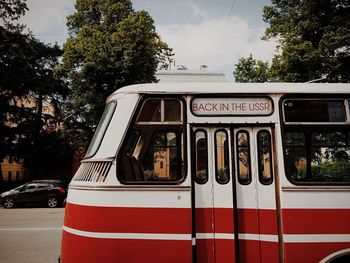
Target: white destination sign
232,106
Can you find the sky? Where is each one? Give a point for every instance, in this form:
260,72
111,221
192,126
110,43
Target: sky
215,33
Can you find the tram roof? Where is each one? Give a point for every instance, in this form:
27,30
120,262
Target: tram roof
195,88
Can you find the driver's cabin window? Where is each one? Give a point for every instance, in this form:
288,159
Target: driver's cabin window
153,150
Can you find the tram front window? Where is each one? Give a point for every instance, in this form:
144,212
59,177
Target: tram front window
101,128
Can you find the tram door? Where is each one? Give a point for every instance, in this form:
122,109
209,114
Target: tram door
233,195
213,195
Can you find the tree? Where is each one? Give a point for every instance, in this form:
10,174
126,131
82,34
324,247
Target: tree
314,40
251,70
314,37
12,10
109,46
36,131
26,69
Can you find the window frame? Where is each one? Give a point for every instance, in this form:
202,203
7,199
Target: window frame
307,129
174,126
194,151
337,98
162,112
95,147
308,147
249,158
216,157
261,178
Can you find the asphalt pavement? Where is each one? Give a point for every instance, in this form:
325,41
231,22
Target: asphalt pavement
30,235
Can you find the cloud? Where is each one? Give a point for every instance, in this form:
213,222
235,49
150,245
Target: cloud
47,19
195,35
195,10
217,43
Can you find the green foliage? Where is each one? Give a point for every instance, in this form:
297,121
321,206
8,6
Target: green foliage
27,76
109,46
314,41
11,10
332,171
251,70
314,37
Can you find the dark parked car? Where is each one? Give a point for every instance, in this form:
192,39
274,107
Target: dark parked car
49,192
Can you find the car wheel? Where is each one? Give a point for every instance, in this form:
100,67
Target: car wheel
52,202
9,202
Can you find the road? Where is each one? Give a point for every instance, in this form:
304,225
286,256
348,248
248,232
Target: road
30,235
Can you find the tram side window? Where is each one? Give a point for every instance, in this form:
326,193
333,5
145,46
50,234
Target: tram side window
264,157
316,149
322,156
243,154
153,151
295,155
314,111
330,156
201,157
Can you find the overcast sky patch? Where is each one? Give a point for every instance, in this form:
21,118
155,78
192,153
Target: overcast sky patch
200,32
217,43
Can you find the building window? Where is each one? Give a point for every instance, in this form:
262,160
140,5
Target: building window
9,177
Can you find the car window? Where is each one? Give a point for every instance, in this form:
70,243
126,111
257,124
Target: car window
43,185
30,186
21,188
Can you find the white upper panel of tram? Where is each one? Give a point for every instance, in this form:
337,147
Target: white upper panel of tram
234,88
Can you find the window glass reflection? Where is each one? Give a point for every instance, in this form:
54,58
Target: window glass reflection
264,157
222,157
151,111
324,159
243,153
314,111
172,110
201,159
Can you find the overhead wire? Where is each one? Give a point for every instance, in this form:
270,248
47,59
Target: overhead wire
233,3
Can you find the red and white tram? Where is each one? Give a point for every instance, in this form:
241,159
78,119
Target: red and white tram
215,172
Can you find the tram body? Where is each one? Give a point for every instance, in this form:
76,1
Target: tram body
215,172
